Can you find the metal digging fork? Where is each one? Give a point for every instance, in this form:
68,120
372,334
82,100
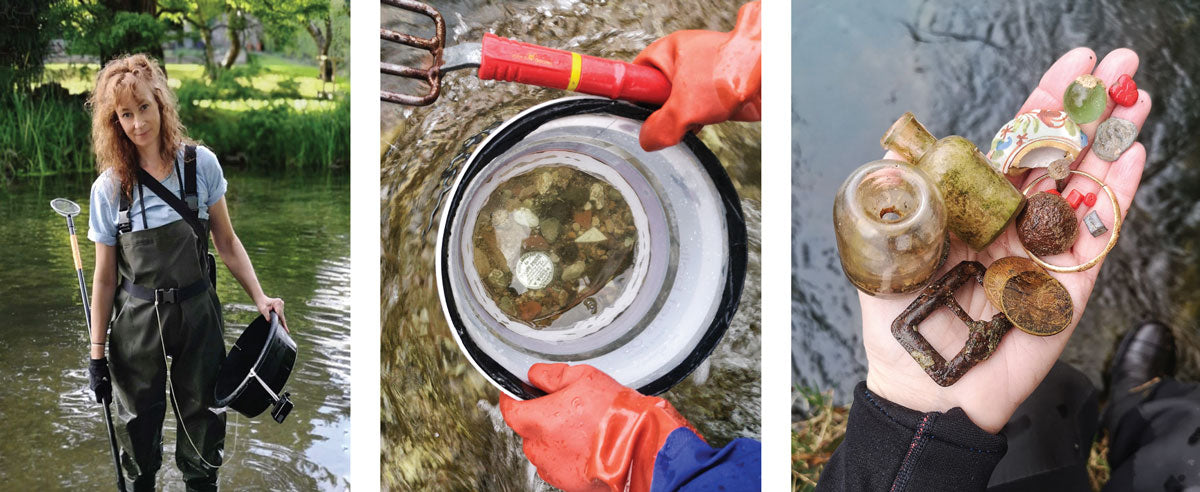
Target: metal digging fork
498,58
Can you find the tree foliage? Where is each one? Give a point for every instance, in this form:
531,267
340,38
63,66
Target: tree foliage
110,28
28,27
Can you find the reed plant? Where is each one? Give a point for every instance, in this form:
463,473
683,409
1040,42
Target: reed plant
276,136
43,133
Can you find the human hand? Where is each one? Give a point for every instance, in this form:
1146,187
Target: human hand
590,433
715,77
99,380
267,304
990,392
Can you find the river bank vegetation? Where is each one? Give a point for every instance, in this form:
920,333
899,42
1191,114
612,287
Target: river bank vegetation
263,84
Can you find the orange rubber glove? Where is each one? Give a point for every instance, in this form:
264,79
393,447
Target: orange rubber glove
590,433
715,77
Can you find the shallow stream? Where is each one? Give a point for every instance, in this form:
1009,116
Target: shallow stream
297,232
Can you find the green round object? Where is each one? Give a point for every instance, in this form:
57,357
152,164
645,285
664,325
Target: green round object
1085,99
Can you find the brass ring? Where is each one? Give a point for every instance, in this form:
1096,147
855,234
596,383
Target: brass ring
1112,241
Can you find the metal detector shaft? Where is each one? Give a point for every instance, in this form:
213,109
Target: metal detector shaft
87,316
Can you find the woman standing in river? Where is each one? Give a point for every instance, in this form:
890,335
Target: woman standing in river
157,198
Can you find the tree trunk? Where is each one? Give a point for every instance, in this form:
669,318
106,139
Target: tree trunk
210,68
237,23
235,37
323,40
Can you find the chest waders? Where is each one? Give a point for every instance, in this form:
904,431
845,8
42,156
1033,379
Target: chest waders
166,305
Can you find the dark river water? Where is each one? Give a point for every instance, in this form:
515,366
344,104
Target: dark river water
965,68
297,232
441,428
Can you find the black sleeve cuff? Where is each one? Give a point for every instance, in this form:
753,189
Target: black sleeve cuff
890,447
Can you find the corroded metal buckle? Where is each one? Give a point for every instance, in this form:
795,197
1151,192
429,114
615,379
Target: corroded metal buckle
982,339
434,46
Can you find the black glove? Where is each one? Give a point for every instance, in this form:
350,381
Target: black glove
99,380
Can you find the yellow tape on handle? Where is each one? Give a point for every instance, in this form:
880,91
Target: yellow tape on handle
75,252
576,69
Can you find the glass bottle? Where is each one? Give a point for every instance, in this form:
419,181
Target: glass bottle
890,224
980,202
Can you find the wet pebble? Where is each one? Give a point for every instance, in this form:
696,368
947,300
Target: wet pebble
592,235
573,271
525,217
550,229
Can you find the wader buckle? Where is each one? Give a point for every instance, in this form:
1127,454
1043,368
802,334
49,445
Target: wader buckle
191,201
123,223
166,296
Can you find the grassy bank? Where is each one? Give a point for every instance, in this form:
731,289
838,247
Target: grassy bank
273,114
815,438
266,74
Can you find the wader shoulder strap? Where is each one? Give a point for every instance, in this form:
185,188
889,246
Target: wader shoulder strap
192,217
189,178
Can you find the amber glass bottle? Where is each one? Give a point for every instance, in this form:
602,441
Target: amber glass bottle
980,202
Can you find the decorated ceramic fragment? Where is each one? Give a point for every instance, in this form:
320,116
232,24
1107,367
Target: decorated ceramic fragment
1113,137
1036,303
1085,99
1034,139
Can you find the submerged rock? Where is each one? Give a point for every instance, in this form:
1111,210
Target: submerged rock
525,217
592,235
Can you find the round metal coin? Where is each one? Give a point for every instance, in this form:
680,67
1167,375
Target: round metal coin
534,270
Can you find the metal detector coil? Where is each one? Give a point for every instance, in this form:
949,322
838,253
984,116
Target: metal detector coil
637,270
257,367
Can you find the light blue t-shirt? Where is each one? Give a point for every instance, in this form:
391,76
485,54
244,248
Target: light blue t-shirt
105,201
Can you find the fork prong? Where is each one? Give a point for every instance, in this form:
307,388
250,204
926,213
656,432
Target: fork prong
404,71
408,39
433,45
409,100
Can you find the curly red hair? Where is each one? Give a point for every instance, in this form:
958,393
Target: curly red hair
122,78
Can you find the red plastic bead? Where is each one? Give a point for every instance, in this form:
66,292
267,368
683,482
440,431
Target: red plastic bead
1054,192
1089,199
1074,198
1124,91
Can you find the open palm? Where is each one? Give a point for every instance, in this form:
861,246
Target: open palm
991,391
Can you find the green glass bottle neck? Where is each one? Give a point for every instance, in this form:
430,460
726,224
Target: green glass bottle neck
909,138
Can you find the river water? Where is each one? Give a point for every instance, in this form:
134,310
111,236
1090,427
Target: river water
441,429
965,68
297,232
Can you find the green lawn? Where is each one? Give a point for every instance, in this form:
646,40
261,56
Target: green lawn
79,78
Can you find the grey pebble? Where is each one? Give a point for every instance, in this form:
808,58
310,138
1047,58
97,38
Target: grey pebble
1112,138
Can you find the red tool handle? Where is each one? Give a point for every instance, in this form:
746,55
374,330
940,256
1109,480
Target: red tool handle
514,61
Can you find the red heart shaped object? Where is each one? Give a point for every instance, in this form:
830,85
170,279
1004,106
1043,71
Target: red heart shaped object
1124,92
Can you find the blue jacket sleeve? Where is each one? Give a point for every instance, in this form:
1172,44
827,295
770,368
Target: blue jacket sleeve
687,463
